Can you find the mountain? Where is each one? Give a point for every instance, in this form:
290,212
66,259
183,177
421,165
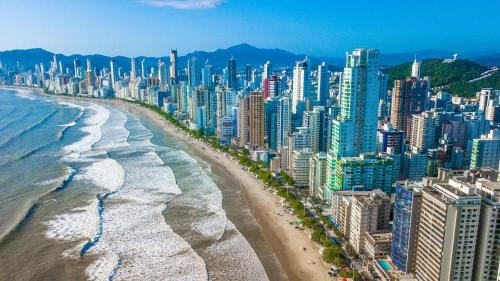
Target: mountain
454,76
243,53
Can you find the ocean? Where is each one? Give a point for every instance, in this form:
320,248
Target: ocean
93,192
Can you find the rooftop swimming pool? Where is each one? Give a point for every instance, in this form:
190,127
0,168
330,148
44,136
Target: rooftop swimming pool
385,265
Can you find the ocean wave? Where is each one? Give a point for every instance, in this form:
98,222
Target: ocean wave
25,94
32,127
21,222
80,223
134,228
106,173
13,121
94,132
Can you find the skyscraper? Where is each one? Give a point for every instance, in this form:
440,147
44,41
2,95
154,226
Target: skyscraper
77,66
368,213
423,130
284,121
486,151
271,122
113,64
311,119
243,120
301,85
232,81
405,225
133,69
163,76
323,84
173,67
354,131
206,76
192,72
267,70
89,75
408,97
415,68
256,119
143,69
447,234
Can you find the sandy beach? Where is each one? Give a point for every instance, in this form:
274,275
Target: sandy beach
287,253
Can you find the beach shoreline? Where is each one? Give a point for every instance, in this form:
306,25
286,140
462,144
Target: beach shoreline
286,242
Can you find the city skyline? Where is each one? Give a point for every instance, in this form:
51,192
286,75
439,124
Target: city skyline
203,25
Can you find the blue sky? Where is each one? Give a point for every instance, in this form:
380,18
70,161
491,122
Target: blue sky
327,27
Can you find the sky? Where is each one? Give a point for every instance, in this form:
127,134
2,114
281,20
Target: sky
323,27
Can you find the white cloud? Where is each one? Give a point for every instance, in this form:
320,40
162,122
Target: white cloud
184,4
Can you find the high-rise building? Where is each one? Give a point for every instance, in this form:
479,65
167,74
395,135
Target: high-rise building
143,69
485,96
369,213
301,84
354,131
206,76
387,137
89,75
256,122
447,234
244,120
486,151
267,70
311,119
323,94
423,130
366,172
486,264
272,86
317,174
409,97
173,67
271,122
163,77
133,69
405,225
232,81
77,67
192,73
416,68
113,64
283,118
414,165
300,166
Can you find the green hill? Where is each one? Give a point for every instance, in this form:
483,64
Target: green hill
454,76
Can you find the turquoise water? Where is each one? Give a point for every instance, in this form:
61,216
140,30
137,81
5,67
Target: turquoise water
385,265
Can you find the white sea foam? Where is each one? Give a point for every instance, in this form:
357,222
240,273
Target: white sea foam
25,94
106,173
115,134
103,266
134,228
70,124
80,223
71,105
94,132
